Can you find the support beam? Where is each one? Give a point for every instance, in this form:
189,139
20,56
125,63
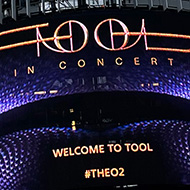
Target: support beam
1,13
43,6
120,4
179,5
165,4
135,3
28,8
58,5
13,9
74,4
104,3
150,4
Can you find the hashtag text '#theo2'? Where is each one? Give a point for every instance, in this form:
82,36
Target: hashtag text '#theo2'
106,172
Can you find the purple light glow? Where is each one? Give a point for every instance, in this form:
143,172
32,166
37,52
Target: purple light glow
174,81
22,153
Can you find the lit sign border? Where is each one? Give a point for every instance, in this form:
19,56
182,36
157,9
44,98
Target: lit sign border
39,39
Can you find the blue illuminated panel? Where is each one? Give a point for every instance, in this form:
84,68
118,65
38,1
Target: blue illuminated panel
53,82
23,153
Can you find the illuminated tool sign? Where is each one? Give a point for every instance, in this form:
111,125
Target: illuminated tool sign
111,53
125,33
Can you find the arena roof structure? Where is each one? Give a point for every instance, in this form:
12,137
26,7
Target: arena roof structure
16,9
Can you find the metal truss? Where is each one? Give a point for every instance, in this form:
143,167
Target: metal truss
15,9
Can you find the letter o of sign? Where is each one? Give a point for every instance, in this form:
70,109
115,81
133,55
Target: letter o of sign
70,36
112,34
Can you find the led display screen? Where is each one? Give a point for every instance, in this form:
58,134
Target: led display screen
56,134
65,55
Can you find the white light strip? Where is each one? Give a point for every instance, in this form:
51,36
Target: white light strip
53,91
39,92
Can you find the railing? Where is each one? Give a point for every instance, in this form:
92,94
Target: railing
15,9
